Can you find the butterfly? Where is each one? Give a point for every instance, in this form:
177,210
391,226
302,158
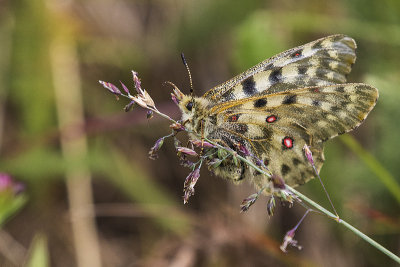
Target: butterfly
298,97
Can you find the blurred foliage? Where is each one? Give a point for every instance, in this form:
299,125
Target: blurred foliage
140,217
10,204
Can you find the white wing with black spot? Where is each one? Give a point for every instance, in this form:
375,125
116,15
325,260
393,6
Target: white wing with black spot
322,62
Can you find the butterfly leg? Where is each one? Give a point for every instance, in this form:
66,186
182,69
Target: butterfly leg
229,169
202,137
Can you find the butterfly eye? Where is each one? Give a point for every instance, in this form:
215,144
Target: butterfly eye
189,105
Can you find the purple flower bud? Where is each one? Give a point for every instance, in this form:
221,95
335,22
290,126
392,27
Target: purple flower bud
137,82
153,151
289,241
190,182
200,143
149,114
308,153
125,88
247,202
111,87
177,127
129,106
243,149
173,97
186,150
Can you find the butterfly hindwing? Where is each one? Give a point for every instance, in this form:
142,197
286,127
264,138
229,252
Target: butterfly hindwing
321,62
275,127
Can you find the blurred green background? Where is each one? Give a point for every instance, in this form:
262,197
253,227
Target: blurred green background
93,198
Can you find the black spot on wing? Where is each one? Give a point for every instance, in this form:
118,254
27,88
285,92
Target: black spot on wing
348,98
296,161
249,86
297,53
275,76
289,99
285,169
316,103
228,95
302,70
325,63
340,89
259,103
317,45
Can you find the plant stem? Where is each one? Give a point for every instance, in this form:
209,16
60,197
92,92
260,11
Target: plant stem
325,211
347,225
301,196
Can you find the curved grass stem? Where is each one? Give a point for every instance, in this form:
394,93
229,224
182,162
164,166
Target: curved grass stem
321,209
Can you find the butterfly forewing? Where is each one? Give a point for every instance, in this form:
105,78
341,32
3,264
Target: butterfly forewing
322,62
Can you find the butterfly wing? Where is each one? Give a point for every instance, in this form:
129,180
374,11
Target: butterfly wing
321,62
276,126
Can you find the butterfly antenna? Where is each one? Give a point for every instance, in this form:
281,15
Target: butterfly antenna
188,70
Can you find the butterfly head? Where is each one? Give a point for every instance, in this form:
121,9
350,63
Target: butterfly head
192,108
186,103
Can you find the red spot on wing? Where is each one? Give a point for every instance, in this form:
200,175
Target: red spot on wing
270,119
287,142
233,118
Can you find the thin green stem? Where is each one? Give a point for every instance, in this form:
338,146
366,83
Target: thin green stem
321,209
347,225
326,191
295,192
